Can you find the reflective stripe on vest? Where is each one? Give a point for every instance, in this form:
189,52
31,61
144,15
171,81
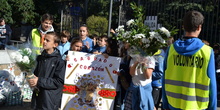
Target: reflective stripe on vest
186,80
36,40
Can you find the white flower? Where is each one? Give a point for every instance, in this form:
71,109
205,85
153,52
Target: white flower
153,34
26,60
28,50
18,58
137,36
120,28
127,34
14,54
130,22
160,39
144,40
165,31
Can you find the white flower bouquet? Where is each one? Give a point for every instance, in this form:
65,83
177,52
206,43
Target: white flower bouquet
25,60
142,40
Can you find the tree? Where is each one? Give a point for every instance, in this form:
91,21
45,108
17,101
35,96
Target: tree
52,7
16,12
6,11
23,11
97,25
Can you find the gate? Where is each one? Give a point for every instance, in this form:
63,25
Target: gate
171,12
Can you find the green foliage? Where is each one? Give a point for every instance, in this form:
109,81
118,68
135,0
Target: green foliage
6,11
25,59
97,25
140,37
24,11
98,7
17,11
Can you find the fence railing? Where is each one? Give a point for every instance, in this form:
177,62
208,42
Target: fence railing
171,12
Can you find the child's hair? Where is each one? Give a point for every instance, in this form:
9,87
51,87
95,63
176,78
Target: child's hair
56,36
105,37
65,33
205,42
94,36
47,17
75,40
1,19
84,25
123,50
216,47
112,47
192,20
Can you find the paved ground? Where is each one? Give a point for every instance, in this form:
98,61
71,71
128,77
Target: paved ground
26,106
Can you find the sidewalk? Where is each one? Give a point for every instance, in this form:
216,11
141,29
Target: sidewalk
26,106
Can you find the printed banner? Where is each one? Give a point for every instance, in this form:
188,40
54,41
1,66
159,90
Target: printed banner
90,82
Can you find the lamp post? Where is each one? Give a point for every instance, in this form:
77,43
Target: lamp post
110,17
119,15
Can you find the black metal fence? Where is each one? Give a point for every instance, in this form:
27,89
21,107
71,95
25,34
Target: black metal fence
171,12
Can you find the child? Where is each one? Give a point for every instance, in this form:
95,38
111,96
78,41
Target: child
49,76
94,38
87,42
5,33
64,44
102,45
124,78
138,96
76,45
37,34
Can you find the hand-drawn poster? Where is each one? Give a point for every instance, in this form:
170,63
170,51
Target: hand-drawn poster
90,82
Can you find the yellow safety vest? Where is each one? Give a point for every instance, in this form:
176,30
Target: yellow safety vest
36,40
186,80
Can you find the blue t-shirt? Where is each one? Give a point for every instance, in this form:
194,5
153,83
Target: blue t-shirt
91,45
99,49
63,47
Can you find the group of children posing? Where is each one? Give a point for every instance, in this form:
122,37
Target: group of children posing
83,43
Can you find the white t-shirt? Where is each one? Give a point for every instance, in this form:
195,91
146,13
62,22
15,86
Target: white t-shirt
138,78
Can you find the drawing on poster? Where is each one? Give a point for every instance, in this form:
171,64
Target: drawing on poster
90,82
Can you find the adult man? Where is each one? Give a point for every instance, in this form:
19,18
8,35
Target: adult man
189,79
38,34
5,33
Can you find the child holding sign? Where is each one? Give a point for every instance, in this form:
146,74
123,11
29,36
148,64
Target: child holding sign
76,45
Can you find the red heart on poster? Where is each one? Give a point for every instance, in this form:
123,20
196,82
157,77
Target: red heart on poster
69,66
115,72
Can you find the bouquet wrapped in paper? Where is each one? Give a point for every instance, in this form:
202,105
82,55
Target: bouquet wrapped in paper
25,60
143,41
138,54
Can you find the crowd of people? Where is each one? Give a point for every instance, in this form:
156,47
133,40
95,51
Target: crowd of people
183,77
